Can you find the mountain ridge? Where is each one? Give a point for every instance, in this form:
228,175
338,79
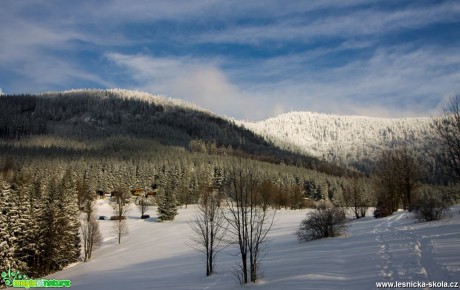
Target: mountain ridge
343,139
90,116
338,139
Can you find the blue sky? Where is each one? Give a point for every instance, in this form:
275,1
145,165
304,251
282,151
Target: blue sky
245,59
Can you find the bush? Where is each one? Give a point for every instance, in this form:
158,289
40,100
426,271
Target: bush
116,218
431,206
382,210
323,223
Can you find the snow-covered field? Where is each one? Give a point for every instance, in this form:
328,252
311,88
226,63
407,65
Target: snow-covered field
158,255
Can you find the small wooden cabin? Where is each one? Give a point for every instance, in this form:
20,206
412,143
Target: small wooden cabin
137,191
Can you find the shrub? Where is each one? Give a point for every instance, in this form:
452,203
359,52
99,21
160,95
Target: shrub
323,223
382,210
116,218
431,206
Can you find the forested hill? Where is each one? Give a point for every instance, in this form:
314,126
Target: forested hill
92,115
351,140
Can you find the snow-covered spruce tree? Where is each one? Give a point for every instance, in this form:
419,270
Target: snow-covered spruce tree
71,224
9,229
167,208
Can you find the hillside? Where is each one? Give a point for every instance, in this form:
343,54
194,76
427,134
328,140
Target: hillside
159,255
91,116
351,140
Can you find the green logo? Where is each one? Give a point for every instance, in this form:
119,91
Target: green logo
19,280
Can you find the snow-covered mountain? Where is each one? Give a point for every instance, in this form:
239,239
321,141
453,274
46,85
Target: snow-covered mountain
342,139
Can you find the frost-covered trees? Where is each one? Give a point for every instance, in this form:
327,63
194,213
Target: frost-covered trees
351,140
39,222
447,128
10,229
61,242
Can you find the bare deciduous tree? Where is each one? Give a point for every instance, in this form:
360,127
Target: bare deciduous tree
120,227
250,219
408,173
386,188
356,198
397,179
92,238
209,227
90,233
447,127
143,204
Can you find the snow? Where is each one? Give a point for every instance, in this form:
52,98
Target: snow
158,255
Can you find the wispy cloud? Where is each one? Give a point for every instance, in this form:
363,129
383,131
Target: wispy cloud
358,23
392,82
200,81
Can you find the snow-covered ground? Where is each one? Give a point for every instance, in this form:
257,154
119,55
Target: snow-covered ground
158,255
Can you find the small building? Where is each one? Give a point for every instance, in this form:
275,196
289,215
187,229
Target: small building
137,191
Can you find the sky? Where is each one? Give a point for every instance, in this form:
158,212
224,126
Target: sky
244,59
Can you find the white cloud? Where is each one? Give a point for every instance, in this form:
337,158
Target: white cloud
200,81
392,83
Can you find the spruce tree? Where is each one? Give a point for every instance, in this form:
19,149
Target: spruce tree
167,209
69,219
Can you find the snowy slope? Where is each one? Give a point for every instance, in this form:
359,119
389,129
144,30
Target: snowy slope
342,139
158,256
